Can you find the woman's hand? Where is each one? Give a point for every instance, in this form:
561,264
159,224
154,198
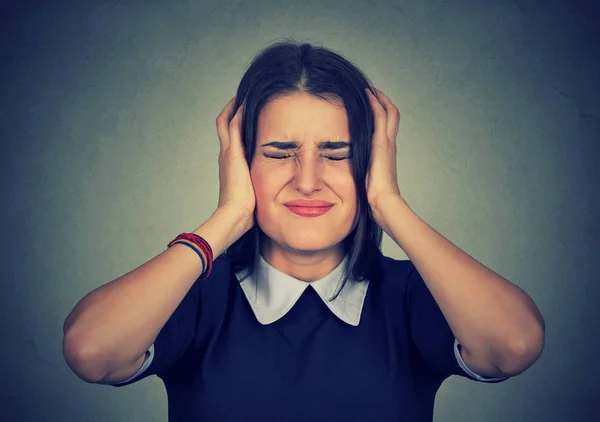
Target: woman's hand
382,179
236,192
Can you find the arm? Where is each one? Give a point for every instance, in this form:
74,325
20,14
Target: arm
498,326
108,332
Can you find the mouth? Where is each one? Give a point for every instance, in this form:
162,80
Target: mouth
309,211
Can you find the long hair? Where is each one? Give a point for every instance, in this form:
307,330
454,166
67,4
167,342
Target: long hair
289,66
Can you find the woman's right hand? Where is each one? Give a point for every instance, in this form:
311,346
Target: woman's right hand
236,192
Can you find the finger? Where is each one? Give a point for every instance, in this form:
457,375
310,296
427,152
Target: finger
379,116
223,125
235,129
393,116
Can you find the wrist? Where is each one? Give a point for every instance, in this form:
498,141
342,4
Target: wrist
221,230
238,220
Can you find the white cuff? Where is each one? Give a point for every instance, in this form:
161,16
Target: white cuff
464,366
147,361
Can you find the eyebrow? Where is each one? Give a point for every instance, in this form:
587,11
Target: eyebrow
329,145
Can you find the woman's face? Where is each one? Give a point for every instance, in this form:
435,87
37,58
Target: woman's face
302,171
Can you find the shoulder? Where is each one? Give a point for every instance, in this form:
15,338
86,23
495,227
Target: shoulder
396,272
219,276
211,295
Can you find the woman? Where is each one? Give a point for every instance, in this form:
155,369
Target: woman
281,306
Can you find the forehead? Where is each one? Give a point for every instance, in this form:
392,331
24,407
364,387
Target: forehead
301,116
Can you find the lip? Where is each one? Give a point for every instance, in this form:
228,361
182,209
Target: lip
309,211
309,204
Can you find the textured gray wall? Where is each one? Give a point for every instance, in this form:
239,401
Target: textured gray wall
109,149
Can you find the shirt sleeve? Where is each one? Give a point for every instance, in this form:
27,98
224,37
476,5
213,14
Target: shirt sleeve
172,341
136,377
432,335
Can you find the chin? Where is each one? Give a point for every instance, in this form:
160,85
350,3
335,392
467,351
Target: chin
309,240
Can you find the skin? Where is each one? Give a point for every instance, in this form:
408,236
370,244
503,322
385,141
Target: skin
305,248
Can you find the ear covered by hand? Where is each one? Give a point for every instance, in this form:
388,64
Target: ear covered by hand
382,178
236,192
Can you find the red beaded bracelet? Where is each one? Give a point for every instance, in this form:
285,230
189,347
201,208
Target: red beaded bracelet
202,245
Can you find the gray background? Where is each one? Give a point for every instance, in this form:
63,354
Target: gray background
109,150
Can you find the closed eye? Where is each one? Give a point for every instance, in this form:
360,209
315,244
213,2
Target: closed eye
281,157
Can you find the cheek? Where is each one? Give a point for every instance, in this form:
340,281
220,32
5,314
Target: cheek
267,184
342,182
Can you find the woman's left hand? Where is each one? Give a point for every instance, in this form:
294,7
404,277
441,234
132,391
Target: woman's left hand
382,179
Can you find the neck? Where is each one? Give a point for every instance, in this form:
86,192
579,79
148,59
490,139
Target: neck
306,266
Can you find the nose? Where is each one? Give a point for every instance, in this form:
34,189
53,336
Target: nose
308,173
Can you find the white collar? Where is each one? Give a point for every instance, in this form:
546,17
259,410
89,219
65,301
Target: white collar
274,293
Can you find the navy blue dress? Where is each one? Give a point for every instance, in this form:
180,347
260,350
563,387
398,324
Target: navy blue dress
274,350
